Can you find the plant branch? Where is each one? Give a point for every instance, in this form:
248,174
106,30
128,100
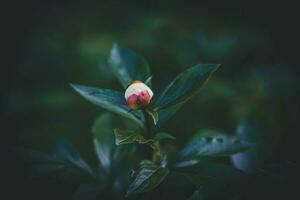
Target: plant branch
150,134
149,125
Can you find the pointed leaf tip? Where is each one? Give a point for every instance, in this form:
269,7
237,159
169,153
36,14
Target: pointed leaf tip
127,65
185,85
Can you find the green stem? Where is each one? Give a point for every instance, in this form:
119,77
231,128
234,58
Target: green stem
156,152
149,125
150,134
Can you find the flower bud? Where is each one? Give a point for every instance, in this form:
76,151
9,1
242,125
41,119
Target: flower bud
138,95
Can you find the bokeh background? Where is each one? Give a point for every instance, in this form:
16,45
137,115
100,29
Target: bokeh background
53,43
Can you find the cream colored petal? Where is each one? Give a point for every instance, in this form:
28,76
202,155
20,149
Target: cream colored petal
137,88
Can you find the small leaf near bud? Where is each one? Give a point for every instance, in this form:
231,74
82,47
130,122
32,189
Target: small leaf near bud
138,95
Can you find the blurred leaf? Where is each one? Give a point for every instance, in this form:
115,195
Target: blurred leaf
214,180
128,66
86,191
44,169
186,163
65,150
185,85
148,81
164,136
103,154
115,161
212,143
40,163
103,141
147,178
66,164
250,160
195,196
111,100
33,156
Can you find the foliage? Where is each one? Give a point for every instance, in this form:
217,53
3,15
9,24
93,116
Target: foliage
143,128
259,76
212,143
128,66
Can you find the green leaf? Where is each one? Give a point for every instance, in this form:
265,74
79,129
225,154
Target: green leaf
147,178
65,151
214,180
103,140
65,164
40,163
148,81
127,137
128,66
195,196
166,113
113,159
185,85
212,143
251,160
164,136
111,100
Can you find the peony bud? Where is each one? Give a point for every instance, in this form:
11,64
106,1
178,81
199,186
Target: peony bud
138,95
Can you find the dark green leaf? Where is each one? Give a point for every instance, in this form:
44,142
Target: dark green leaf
195,196
164,136
111,100
32,156
148,81
103,140
41,164
214,180
147,178
166,113
113,160
127,137
87,191
65,165
249,161
65,151
103,154
128,66
185,85
212,143
102,127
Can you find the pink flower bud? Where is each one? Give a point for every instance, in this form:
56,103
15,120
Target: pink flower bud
138,95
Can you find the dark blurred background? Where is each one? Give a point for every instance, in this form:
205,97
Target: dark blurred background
49,44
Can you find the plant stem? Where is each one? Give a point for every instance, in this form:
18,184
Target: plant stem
149,125
156,154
